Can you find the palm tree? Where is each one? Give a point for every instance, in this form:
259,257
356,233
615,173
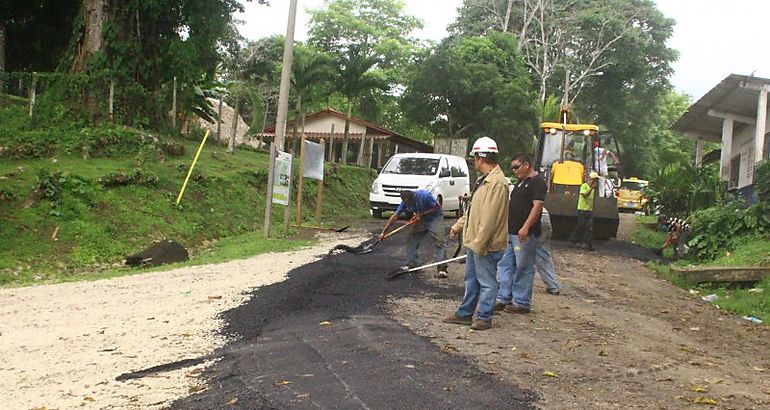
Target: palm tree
309,68
355,78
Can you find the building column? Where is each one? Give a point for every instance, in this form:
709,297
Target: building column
727,148
380,148
369,152
759,136
699,152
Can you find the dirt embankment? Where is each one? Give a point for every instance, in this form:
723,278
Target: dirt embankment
618,337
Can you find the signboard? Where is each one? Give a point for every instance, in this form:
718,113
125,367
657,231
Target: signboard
313,161
282,178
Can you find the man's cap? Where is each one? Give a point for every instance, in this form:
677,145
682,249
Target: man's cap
593,175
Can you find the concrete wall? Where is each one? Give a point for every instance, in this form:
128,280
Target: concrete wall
324,124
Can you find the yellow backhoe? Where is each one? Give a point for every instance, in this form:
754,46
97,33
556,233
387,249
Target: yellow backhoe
564,157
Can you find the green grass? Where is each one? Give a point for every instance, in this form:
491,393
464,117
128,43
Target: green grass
82,227
238,247
744,301
647,237
750,251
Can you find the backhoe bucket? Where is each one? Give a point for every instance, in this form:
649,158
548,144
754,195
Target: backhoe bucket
562,207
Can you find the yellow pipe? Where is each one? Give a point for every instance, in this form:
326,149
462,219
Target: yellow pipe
200,148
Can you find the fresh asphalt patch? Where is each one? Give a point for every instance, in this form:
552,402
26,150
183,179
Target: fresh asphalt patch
323,339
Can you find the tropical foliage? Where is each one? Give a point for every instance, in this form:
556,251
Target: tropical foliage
679,189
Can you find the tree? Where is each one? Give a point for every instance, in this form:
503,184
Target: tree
609,54
368,40
310,68
474,86
149,42
34,33
579,37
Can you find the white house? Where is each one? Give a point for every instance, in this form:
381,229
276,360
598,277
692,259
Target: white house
368,144
735,114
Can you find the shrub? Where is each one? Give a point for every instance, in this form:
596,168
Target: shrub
681,189
716,229
762,180
138,177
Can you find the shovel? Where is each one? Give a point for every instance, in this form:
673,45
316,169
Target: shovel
344,228
370,247
395,274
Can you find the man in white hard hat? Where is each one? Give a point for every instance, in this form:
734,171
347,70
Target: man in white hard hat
485,235
584,227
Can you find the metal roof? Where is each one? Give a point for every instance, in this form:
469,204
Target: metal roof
729,96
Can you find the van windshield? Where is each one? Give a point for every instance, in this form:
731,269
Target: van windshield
411,166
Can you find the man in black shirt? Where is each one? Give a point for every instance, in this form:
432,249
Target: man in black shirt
516,271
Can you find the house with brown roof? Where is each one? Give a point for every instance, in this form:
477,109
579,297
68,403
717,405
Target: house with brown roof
734,114
368,144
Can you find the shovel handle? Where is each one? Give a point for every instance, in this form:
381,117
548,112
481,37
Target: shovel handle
400,228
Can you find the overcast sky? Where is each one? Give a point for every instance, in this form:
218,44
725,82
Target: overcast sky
714,37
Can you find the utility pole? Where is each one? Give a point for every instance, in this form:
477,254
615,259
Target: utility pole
283,108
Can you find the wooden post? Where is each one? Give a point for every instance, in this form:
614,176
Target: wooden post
112,100
331,145
301,178
380,148
173,106
32,92
286,212
234,129
269,196
361,150
319,193
370,152
219,121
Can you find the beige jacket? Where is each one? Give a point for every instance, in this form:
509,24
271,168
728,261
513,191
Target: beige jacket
485,226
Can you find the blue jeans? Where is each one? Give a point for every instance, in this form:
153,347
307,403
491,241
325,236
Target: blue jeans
516,271
418,232
480,285
544,264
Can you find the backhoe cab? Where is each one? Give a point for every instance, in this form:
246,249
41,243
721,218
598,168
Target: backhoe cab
564,158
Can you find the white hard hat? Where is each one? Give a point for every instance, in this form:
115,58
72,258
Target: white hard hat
484,146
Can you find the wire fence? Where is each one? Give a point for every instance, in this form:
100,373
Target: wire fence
94,97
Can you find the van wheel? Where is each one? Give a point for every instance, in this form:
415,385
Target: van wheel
377,213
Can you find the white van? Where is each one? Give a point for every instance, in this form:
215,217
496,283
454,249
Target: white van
444,176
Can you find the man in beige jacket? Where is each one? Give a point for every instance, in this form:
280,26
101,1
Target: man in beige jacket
485,235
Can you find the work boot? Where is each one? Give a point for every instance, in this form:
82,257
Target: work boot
553,291
479,324
457,320
499,306
515,309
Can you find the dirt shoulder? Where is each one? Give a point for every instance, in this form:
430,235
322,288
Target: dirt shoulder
618,337
62,346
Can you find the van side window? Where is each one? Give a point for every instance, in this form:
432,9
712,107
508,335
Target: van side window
457,168
444,166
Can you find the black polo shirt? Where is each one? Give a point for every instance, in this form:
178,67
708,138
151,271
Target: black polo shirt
524,192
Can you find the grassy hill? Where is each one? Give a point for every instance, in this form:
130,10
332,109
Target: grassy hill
77,198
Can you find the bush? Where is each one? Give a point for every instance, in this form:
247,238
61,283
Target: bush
138,177
762,180
681,189
716,230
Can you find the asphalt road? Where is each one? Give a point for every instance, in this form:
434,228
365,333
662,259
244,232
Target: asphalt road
281,357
